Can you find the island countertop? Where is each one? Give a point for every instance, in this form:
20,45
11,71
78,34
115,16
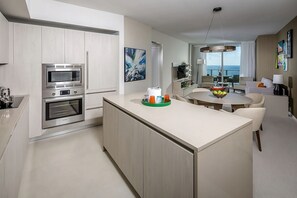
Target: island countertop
8,121
196,127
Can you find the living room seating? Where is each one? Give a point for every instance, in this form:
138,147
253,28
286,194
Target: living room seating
265,87
242,83
207,81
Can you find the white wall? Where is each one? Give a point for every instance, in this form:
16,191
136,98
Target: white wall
139,35
54,11
201,68
174,51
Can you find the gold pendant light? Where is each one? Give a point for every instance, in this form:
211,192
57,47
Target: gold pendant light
216,48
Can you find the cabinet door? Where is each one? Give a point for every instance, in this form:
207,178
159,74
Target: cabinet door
52,45
110,130
3,39
168,168
27,69
130,154
74,46
101,62
2,179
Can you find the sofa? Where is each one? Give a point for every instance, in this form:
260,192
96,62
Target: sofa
264,86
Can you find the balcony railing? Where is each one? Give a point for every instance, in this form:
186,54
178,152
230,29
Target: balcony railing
228,72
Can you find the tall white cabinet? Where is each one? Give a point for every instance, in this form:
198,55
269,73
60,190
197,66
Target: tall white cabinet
3,39
102,60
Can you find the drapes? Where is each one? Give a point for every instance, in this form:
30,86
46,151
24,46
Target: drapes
247,60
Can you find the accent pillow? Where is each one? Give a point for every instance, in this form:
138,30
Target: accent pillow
261,85
267,82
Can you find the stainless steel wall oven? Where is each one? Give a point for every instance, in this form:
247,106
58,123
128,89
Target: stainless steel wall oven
63,94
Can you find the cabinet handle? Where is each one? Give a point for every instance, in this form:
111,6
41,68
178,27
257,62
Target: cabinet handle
87,67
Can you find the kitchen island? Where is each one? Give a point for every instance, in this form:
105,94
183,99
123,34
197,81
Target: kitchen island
182,150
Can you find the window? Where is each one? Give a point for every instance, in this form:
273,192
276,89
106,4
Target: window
231,63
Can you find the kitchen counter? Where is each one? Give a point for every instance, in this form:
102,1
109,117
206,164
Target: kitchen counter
194,126
8,121
199,151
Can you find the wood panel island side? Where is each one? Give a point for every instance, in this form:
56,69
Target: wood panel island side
182,150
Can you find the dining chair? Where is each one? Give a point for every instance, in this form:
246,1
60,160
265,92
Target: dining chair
257,115
258,99
178,97
200,90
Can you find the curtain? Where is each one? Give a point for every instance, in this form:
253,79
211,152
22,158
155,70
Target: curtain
247,60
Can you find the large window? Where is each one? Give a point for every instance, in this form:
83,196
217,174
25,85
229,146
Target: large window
231,63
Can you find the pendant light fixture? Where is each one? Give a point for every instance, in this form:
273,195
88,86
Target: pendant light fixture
216,48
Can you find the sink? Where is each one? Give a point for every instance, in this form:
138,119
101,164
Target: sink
16,103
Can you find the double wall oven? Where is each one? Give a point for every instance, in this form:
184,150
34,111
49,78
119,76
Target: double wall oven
63,99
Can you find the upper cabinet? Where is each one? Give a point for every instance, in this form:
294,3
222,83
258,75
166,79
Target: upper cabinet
3,40
52,45
62,45
74,46
102,59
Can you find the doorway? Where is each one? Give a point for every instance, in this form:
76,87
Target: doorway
157,64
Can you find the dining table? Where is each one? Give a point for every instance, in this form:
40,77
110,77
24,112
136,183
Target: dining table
208,99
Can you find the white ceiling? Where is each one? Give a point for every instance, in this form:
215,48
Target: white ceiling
188,20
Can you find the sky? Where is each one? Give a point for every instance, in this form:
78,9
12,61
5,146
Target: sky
230,58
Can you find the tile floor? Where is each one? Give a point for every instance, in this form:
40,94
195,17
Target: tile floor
73,166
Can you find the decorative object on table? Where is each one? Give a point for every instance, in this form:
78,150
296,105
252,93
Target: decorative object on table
154,92
278,80
165,101
135,64
290,43
219,92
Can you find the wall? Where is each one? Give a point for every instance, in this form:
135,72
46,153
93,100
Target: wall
138,35
202,70
265,56
174,51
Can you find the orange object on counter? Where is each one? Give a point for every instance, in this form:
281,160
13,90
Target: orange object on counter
152,100
166,98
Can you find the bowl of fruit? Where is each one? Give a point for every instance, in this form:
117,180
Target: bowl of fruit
219,92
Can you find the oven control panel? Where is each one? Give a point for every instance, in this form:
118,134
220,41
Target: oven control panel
62,92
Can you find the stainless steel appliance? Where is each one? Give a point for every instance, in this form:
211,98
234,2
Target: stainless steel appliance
63,94
62,75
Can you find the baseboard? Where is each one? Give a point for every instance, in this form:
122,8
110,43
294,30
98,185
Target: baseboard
63,132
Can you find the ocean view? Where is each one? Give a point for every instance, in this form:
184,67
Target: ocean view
229,70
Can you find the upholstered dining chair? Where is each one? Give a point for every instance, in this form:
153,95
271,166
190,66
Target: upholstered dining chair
178,97
200,90
258,99
257,115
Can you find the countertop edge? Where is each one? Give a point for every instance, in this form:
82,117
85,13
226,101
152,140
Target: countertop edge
9,129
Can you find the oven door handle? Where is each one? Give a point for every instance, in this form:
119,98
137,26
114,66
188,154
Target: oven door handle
63,98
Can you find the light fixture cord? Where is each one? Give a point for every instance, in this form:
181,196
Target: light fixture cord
222,30
213,14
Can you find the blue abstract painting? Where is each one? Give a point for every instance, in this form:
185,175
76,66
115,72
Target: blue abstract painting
135,64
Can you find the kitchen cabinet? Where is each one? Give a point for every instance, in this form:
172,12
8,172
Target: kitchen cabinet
94,104
74,46
168,167
102,59
130,150
2,178
62,45
153,164
27,69
52,45
4,38
14,155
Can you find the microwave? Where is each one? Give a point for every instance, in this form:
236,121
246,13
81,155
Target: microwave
62,75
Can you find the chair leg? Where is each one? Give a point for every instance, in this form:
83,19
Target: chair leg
258,140
261,127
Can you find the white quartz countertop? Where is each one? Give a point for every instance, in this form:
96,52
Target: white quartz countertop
8,121
196,127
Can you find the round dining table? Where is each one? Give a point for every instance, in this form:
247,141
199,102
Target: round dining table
208,99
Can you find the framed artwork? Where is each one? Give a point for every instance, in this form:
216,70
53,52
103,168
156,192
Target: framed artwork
290,44
280,46
282,61
135,64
